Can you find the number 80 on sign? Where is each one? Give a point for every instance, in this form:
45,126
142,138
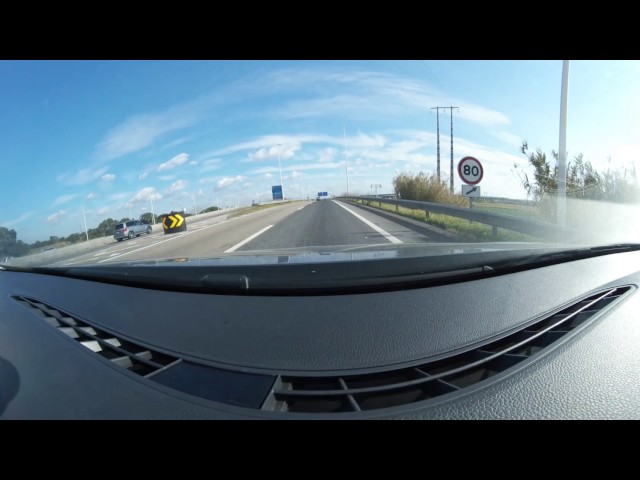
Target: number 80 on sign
470,170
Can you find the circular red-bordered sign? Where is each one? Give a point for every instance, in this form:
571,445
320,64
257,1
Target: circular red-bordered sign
470,170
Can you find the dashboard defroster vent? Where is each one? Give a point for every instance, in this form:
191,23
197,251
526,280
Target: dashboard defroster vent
353,393
332,393
126,354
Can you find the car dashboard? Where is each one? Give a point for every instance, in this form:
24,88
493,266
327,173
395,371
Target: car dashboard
555,342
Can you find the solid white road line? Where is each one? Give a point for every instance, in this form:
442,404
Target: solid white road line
382,232
247,240
173,237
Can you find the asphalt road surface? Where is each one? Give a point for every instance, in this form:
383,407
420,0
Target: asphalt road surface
297,224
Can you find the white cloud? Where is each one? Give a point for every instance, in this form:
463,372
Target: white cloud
362,140
63,199
177,186
20,219
285,151
228,181
306,166
102,211
364,94
266,147
109,177
208,180
268,141
146,194
166,178
247,184
80,177
54,217
91,196
268,175
508,138
178,141
327,154
295,174
140,131
174,162
211,164
143,175
481,115
193,162
118,196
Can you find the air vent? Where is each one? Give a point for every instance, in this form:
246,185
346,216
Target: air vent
224,386
126,354
354,393
332,394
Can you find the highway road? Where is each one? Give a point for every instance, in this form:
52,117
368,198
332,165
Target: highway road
298,224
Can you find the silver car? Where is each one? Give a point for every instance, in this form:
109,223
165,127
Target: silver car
130,229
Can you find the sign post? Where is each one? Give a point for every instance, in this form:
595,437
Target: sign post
470,172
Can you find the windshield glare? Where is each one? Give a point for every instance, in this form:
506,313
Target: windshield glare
292,162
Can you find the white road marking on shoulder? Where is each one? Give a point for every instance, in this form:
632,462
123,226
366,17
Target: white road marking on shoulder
382,232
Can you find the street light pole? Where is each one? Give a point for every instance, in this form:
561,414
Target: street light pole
86,232
562,153
346,164
280,168
153,214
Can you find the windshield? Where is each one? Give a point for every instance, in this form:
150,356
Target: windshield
457,164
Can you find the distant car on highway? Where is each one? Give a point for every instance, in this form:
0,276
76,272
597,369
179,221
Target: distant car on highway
130,229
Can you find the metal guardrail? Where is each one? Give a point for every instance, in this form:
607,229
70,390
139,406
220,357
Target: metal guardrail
534,228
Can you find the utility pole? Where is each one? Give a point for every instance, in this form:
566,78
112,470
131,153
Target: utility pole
346,164
280,168
153,214
376,186
438,130
85,224
437,109
562,151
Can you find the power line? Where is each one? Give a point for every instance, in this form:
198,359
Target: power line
430,72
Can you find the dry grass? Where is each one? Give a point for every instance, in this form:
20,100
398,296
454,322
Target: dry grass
426,187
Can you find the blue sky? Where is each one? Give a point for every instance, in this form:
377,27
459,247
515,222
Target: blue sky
114,136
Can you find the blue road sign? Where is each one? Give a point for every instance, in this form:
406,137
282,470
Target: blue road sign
276,192
323,194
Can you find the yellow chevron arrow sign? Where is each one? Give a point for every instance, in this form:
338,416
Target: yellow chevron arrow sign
175,220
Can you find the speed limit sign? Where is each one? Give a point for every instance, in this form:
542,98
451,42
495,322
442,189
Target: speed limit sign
470,170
